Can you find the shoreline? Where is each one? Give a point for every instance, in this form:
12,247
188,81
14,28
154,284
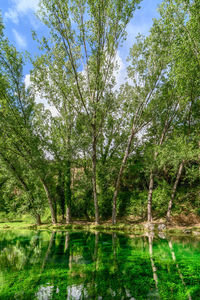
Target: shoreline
137,229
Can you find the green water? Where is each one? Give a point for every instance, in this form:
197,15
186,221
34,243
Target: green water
74,265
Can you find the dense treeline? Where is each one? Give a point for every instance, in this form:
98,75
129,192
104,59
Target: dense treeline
107,152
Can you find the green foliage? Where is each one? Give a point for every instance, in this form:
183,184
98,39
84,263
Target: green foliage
51,163
137,206
161,198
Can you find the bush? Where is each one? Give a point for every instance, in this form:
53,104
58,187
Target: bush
137,204
161,196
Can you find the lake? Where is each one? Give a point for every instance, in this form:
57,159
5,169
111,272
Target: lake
76,265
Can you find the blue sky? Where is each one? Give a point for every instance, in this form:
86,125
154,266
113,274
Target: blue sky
19,19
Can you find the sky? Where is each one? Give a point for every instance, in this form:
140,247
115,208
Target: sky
19,19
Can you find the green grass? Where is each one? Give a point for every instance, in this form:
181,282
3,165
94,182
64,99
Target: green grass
136,229
15,225
76,226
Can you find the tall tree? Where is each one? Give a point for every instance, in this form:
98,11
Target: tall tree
90,33
19,133
147,73
181,18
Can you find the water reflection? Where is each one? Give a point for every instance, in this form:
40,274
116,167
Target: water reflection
178,269
154,294
67,265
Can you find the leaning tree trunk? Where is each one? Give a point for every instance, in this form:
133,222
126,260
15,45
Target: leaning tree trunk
51,203
126,154
174,191
150,193
151,179
94,184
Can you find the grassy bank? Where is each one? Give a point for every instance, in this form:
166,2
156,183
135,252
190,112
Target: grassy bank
135,228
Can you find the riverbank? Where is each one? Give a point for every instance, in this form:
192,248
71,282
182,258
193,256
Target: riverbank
123,227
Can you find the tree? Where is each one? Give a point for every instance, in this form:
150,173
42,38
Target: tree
19,135
89,33
147,72
181,18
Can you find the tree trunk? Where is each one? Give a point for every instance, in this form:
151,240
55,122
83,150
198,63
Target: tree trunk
149,204
126,154
94,185
68,194
51,203
174,191
38,220
55,207
61,193
68,214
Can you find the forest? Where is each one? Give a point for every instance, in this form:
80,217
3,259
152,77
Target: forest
110,151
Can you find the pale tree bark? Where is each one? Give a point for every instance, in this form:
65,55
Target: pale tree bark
68,214
67,250
67,240
67,169
153,266
150,193
174,191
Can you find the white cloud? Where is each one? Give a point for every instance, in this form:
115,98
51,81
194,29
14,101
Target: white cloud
20,40
120,73
27,80
13,15
39,99
20,8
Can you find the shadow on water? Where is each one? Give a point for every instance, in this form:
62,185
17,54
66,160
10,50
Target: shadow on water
75,265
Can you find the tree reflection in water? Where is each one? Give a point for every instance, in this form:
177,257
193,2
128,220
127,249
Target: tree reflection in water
75,265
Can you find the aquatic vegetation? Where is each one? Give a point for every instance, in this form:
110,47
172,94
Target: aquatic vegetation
77,265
